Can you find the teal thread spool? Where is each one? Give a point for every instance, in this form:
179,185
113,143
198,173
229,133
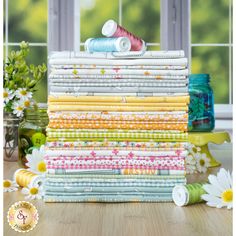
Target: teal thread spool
120,44
188,194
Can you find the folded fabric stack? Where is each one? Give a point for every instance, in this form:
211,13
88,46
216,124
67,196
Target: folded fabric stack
117,126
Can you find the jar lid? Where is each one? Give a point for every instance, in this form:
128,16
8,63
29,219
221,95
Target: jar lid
199,78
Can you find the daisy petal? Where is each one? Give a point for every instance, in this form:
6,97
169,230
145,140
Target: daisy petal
206,197
214,181
211,198
223,179
219,205
7,190
230,178
28,197
211,204
25,191
211,189
39,196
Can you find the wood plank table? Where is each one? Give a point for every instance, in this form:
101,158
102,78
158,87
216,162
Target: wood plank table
85,219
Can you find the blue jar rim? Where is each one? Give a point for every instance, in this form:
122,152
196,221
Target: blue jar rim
199,78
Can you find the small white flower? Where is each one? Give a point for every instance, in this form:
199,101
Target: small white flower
193,149
23,94
7,95
190,146
33,191
23,44
9,186
36,161
18,108
203,162
219,190
26,102
190,164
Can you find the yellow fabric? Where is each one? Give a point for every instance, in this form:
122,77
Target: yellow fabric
166,99
93,116
119,104
122,125
113,108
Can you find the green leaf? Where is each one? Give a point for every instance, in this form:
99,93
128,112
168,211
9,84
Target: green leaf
19,74
32,83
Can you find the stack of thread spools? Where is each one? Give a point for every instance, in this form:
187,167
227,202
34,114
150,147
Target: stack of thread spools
117,123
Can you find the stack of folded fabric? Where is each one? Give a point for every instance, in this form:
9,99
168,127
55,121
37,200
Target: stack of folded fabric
117,126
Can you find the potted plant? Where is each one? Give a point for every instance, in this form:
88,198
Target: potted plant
19,81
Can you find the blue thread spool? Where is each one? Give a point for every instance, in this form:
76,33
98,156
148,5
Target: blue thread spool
120,44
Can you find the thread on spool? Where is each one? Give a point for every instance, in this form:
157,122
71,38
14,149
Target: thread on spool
24,177
188,194
112,29
120,44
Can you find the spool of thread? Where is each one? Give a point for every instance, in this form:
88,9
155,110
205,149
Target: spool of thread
188,194
121,44
24,177
112,29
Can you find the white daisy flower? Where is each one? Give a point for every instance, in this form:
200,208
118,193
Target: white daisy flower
26,102
190,164
33,191
219,190
7,95
190,146
18,109
23,94
203,162
193,149
9,186
36,161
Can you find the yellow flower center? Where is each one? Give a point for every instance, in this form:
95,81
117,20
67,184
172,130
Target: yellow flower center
41,167
23,92
19,108
227,195
202,162
34,191
5,94
6,184
26,103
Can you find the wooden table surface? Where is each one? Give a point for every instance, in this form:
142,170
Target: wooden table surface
85,219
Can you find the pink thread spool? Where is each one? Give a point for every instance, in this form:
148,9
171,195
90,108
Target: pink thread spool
112,29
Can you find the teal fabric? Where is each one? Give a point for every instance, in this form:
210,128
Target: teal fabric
104,190
110,198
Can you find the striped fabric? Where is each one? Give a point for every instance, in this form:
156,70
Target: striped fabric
118,126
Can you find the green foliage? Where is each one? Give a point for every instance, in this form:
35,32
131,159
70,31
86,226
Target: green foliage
19,74
210,24
28,21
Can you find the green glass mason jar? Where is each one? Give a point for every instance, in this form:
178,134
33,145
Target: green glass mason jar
32,131
201,107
